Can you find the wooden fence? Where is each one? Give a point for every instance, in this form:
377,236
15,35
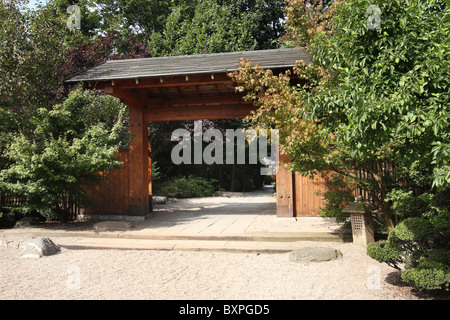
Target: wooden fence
111,195
7,200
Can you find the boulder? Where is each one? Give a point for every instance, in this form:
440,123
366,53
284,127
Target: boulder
27,222
40,247
315,254
159,200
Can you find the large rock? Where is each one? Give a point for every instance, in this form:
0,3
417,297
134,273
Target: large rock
159,200
27,222
315,254
39,248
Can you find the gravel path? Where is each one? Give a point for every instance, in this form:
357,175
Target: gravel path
145,274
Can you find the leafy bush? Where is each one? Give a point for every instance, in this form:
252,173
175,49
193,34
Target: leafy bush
8,217
189,187
412,230
384,252
428,276
339,191
417,243
72,142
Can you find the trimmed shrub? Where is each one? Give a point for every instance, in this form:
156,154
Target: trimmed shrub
189,187
412,230
384,252
430,275
414,243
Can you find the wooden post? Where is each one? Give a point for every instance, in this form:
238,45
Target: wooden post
285,190
149,152
140,171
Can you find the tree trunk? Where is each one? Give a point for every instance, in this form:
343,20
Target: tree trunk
387,212
377,174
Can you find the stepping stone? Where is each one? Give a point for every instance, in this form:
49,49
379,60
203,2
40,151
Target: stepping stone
315,254
112,226
228,194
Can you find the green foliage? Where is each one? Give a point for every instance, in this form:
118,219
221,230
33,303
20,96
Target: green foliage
189,187
231,177
428,276
66,151
415,242
412,230
374,96
388,94
421,240
405,205
384,252
337,194
212,26
8,217
29,66
29,59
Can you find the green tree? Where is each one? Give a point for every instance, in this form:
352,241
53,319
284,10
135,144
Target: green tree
374,96
30,61
29,58
140,16
213,26
71,143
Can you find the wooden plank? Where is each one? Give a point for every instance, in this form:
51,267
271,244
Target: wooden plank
198,112
199,100
109,195
307,201
173,81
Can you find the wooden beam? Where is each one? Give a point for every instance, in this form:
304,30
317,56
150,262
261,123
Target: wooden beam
172,81
198,112
218,99
123,94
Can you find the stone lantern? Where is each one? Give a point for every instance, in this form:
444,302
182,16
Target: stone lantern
363,231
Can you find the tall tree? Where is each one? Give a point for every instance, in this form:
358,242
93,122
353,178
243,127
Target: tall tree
377,94
50,145
211,26
30,58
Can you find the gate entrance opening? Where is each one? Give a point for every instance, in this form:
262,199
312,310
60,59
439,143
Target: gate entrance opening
183,88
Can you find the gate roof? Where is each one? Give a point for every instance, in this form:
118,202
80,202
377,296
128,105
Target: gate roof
187,65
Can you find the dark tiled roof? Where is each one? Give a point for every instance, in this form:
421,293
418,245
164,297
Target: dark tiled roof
187,65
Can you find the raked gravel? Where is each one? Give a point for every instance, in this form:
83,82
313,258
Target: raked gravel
189,275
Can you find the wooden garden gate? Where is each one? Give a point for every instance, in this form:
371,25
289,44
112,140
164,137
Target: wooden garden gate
182,88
